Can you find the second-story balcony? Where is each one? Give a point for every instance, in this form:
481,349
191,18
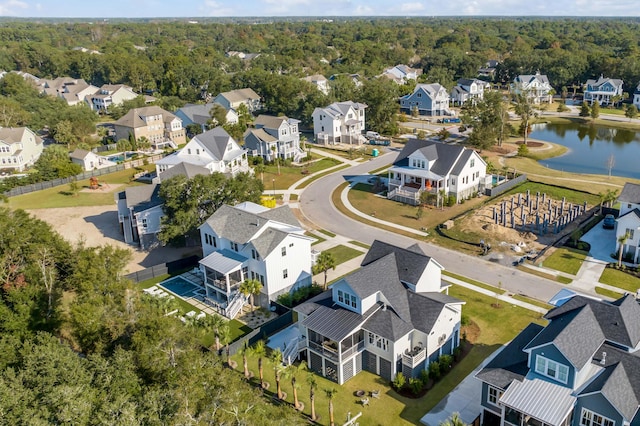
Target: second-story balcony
414,357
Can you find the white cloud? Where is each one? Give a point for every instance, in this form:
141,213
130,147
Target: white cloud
414,7
11,7
364,11
216,8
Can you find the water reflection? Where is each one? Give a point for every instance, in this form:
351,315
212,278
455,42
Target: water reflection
591,147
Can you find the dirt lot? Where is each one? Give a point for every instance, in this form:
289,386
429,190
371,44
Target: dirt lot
98,225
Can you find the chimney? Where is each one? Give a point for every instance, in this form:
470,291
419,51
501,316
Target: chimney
603,359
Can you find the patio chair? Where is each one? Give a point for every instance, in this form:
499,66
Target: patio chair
364,401
375,393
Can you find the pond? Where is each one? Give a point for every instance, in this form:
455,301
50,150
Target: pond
592,148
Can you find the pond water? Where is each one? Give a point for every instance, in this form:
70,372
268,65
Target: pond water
591,148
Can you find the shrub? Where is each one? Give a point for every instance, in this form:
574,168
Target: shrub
299,295
416,385
464,319
399,381
456,353
434,370
445,362
424,376
523,150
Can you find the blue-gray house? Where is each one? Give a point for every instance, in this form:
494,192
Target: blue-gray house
426,99
582,369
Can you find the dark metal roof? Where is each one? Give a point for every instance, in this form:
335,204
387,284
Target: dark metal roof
445,156
334,323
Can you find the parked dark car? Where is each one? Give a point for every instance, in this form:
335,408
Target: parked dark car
609,222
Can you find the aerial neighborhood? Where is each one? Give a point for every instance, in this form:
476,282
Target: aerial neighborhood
438,224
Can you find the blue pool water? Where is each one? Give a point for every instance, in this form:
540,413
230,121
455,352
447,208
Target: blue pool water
180,286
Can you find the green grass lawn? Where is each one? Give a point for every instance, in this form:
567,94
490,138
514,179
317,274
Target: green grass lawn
343,253
557,278
620,279
60,196
497,326
566,260
608,293
318,238
471,281
320,175
327,233
532,301
291,174
359,244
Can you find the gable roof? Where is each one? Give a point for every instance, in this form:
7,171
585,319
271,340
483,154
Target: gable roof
431,89
216,141
260,134
240,95
238,225
185,169
630,193
615,82
133,118
79,154
197,113
338,110
511,362
11,135
410,262
530,78
446,157
141,198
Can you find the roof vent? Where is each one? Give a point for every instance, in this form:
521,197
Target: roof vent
384,306
604,358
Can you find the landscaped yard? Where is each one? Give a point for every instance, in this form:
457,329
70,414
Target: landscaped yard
343,254
60,196
620,279
497,326
291,174
608,293
566,260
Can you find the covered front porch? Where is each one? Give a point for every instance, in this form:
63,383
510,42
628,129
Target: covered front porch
551,406
406,184
223,272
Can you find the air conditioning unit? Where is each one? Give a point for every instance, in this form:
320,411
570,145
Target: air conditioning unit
442,339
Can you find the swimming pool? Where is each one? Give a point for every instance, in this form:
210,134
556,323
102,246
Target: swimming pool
180,286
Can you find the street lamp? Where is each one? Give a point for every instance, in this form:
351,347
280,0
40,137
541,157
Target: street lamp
274,188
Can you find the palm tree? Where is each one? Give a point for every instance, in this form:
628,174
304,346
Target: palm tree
331,392
453,420
278,369
225,336
259,351
243,350
293,372
259,168
216,323
622,240
276,157
325,262
313,385
250,288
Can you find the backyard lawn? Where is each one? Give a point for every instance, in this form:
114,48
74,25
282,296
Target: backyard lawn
291,174
60,196
565,260
497,326
343,253
620,279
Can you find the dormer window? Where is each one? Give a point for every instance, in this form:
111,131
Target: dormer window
552,369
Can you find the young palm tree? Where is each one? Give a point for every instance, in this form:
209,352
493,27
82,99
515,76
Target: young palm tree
225,336
331,392
250,288
293,372
259,351
245,365
325,262
215,323
622,240
278,370
453,420
313,385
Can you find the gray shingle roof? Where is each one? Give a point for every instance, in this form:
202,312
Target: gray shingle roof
142,197
511,362
619,382
269,121
197,113
185,169
576,334
266,242
630,193
216,141
410,262
445,156
240,95
79,154
387,324
241,226
133,118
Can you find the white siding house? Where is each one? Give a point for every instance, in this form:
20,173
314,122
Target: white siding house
340,122
19,148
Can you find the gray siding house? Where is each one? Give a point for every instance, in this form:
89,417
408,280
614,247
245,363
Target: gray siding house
428,99
582,369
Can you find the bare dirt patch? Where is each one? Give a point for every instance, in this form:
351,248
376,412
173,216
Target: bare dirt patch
97,226
104,187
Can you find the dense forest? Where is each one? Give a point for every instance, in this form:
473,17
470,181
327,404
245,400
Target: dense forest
80,346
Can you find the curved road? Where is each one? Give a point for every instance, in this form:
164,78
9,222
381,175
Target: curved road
316,205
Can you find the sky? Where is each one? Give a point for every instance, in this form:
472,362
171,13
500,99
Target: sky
243,8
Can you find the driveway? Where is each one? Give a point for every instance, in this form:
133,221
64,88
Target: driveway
602,241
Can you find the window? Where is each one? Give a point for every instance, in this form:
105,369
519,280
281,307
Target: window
284,251
229,147
255,255
340,296
189,151
629,233
144,223
494,395
234,246
285,273
552,369
353,301
473,162
589,418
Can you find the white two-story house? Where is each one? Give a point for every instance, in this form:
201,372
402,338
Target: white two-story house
426,99
390,316
537,87
469,90
19,148
434,167
234,98
603,90
628,222
249,241
139,214
214,150
340,122
274,137
402,73
110,94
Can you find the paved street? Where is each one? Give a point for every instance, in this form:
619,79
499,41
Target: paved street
315,203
